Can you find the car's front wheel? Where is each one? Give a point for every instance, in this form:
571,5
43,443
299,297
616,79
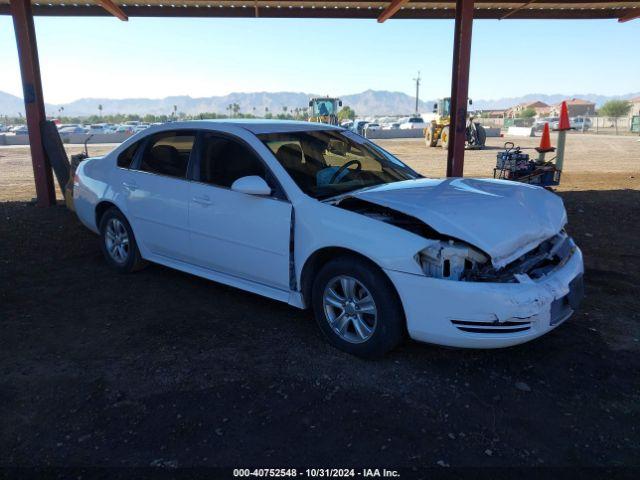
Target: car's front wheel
118,243
357,307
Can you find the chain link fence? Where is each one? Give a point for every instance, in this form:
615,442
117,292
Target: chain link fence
585,124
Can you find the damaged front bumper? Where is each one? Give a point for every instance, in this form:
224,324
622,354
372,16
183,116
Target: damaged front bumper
489,315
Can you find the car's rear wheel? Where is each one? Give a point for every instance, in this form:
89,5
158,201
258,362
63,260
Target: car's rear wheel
357,307
118,242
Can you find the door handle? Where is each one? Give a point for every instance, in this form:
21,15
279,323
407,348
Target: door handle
202,200
130,185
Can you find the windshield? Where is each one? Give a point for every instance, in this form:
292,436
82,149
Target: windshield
333,162
446,107
323,107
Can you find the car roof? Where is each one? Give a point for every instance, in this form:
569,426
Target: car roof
258,126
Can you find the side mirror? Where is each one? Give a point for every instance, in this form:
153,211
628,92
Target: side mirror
311,104
470,102
251,185
340,103
435,107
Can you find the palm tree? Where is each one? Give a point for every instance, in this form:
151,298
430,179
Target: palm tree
175,109
236,109
100,109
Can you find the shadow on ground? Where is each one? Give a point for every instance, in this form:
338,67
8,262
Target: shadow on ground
104,369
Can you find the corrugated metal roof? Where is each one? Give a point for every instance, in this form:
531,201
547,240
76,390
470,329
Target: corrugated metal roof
320,9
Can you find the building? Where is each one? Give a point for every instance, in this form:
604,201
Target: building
635,107
576,108
541,109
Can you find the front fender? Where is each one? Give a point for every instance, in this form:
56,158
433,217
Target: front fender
319,225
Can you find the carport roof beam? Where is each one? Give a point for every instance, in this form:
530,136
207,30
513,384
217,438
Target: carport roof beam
366,9
391,10
113,9
631,15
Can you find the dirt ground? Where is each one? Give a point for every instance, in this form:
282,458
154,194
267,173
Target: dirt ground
161,368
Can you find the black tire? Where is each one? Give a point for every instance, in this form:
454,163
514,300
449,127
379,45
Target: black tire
390,323
132,261
430,138
482,135
444,137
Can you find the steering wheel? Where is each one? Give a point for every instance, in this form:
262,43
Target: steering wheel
344,167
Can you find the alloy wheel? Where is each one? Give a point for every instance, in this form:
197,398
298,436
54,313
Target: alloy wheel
116,240
350,309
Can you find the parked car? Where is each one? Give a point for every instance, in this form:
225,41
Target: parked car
19,130
371,127
317,216
99,128
71,129
359,126
125,129
3,128
538,125
140,127
580,123
413,122
66,125
391,126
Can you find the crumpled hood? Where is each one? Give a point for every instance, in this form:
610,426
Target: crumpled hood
504,219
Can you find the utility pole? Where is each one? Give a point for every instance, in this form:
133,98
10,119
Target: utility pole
417,80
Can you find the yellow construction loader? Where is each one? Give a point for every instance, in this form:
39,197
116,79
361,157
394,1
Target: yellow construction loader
475,137
324,110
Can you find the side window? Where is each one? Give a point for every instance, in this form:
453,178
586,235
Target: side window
223,161
167,153
126,157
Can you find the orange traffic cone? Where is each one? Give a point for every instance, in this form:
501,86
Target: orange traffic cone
545,141
563,124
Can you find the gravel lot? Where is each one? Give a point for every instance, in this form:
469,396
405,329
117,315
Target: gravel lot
162,368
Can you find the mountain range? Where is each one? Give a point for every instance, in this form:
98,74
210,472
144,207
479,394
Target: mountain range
369,102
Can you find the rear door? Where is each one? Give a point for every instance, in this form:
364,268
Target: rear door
157,194
235,233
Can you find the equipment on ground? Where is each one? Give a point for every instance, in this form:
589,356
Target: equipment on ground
513,164
475,134
324,110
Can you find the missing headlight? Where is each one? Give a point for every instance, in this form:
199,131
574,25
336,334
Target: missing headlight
449,260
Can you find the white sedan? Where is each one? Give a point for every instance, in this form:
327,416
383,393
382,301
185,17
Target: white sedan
317,216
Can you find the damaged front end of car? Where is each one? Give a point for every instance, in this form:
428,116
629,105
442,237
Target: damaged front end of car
453,259
458,261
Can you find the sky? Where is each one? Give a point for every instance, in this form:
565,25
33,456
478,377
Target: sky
155,58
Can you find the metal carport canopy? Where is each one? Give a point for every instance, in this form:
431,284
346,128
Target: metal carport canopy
421,9
463,11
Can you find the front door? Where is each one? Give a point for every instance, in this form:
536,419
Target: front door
235,233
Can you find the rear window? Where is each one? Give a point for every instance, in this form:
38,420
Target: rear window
126,157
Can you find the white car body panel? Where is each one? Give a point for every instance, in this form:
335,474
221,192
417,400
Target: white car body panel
241,235
158,209
429,319
261,244
504,219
